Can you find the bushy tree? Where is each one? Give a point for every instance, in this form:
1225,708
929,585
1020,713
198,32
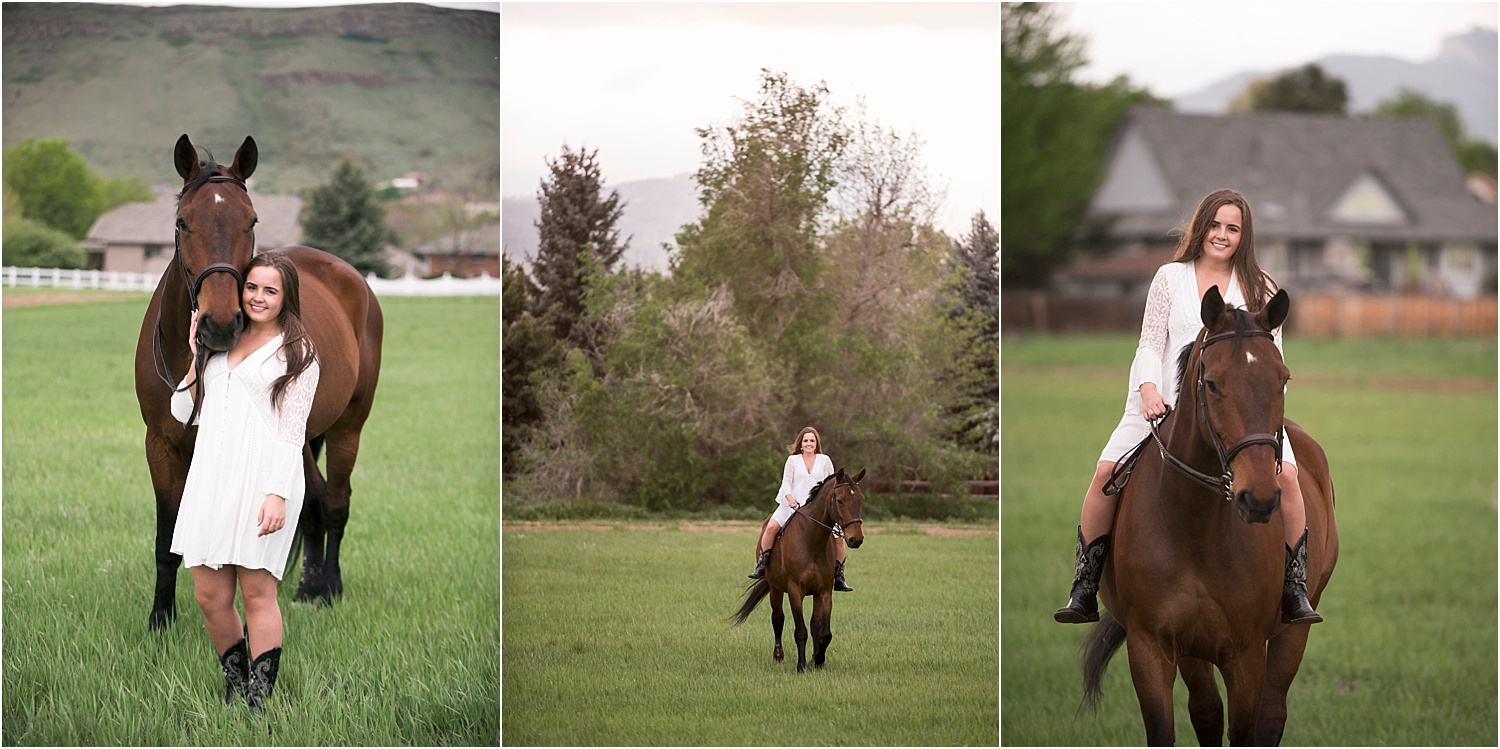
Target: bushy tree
1055,139
1474,156
576,228
54,186
29,244
1304,89
344,218
529,354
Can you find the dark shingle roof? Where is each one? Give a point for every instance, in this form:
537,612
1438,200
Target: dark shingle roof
153,223
1294,168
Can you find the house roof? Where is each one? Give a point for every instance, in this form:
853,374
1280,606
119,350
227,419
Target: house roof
483,240
154,222
1307,176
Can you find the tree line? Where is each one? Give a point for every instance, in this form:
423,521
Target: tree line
52,199
1056,133
813,290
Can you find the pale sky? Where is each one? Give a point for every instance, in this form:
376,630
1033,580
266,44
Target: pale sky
633,80
1180,48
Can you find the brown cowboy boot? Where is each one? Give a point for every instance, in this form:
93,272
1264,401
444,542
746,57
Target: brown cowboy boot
1083,606
1295,608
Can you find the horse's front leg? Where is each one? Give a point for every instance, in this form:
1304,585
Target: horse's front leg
822,625
1244,679
168,475
778,618
795,594
1152,672
1204,705
1283,658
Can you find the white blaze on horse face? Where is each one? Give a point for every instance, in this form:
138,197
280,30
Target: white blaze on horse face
1249,358
218,198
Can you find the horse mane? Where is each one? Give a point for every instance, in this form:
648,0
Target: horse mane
812,493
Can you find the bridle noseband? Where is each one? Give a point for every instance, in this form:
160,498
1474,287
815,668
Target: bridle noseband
1221,485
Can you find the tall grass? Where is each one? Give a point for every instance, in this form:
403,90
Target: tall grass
409,655
621,638
1407,652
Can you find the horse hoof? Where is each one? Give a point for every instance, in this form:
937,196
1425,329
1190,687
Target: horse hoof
159,620
778,655
801,667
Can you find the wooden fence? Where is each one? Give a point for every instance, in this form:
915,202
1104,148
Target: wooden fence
1315,315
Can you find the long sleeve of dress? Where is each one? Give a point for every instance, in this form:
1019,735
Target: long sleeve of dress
1152,350
291,431
788,475
182,403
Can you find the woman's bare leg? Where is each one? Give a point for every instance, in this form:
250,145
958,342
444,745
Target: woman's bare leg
262,611
214,589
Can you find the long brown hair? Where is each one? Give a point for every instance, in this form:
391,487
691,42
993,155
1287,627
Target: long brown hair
296,347
1255,284
796,446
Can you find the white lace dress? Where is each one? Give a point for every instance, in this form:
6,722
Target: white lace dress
797,481
245,449
1172,320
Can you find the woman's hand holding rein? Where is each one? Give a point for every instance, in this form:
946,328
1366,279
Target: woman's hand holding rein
1153,406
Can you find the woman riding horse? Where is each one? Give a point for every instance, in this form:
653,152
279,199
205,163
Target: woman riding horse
806,467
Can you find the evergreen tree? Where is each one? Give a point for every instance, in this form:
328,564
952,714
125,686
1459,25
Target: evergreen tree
976,256
344,218
577,219
527,349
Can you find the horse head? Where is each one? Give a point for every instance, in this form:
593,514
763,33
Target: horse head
215,238
848,504
1240,388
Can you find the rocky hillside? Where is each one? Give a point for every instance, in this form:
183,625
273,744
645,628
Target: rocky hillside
397,87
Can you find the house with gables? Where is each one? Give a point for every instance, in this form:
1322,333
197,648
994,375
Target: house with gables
1340,203
140,237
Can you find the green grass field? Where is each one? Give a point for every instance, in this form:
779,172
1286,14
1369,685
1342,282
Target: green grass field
409,656
620,637
1407,652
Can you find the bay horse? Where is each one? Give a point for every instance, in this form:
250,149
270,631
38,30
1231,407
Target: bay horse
802,560
215,241
1194,581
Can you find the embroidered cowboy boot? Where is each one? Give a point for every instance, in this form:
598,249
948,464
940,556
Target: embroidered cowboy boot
838,579
263,679
236,664
1295,608
1083,606
760,566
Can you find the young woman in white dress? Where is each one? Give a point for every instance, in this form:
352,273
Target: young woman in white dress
1217,250
805,467
245,485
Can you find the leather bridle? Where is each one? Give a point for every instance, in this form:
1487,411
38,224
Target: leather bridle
837,529
1221,485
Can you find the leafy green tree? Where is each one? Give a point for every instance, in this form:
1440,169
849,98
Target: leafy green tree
1473,155
30,244
576,226
55,187
1055,138
529,353
344,218
1305,89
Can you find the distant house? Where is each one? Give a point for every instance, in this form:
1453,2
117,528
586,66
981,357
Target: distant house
464,254
1376,205
139,237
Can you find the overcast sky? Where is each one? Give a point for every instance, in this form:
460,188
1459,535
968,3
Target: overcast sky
1180,48
634,80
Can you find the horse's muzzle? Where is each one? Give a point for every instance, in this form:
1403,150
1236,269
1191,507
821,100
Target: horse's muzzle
854,542
217,336
1252,511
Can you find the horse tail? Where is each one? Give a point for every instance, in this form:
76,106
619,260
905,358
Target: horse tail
754,594
1103,640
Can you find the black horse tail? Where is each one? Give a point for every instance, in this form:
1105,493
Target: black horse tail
294,554
1103,640
754,594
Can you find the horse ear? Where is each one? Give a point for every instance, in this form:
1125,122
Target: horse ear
1277,310
1213,307
245,158
186,158
858,476
838,476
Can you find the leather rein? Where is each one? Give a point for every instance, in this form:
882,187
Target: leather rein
193,284
1221,485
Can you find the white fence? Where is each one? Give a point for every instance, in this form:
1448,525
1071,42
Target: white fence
447,285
